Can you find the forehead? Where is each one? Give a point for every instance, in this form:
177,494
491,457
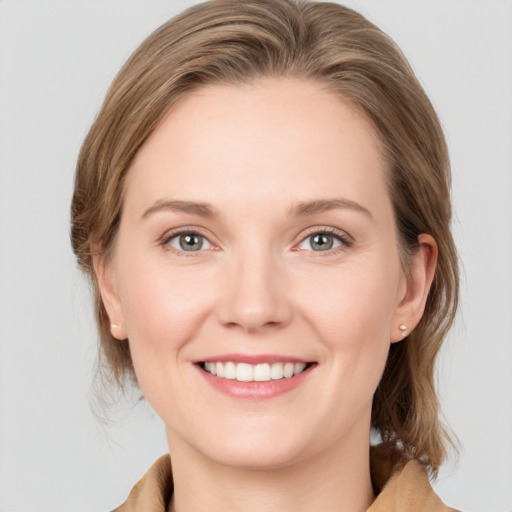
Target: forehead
286,135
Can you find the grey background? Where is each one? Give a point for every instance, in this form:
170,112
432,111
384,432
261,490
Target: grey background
56,61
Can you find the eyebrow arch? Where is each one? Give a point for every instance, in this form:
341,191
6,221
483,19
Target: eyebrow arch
201,209
315,206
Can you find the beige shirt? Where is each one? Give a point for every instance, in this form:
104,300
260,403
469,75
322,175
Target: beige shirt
401,484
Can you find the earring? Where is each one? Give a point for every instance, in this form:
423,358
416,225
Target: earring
114,326
403,328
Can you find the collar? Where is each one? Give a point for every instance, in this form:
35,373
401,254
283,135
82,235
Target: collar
401,485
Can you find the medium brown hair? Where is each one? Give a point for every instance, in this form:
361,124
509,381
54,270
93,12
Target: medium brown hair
238,41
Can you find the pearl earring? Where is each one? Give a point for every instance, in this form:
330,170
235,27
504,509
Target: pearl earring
403,328
114,326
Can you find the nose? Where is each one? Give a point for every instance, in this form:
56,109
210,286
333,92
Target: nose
255,296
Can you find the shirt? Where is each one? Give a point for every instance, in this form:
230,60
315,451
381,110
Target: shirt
401,485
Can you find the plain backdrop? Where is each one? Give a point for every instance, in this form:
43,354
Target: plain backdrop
56,61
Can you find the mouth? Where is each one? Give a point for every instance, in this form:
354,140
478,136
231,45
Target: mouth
255,377
260,372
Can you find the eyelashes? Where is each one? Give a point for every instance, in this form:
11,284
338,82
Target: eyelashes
186,242
189,241
325,241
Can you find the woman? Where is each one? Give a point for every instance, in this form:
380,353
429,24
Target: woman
263,208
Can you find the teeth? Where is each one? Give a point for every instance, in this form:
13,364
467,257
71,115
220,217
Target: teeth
299,368
244,372
230,371
288,370
211,368
263,372
276,371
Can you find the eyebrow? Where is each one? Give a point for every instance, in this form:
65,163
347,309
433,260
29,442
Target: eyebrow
302,209
316,206
202,209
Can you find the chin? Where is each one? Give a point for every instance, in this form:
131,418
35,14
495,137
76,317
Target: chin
252,448
258,457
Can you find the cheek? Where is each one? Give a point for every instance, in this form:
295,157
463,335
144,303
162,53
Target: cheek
358,300
162,308
352,311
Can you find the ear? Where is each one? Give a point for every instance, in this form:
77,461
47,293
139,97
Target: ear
415,291
105,276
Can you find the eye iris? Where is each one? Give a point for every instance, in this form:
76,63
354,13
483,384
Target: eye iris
321,242
191,242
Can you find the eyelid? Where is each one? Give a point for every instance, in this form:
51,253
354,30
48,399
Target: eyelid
345,239
185,230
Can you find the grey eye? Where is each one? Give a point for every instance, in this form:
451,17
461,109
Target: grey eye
189,242
321,241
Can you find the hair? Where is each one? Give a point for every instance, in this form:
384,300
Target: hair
236,42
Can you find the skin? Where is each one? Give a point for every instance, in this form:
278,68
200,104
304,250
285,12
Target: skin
258,286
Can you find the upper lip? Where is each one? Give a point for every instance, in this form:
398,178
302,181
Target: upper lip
253,359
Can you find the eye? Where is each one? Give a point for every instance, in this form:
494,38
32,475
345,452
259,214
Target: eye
321,241
189,242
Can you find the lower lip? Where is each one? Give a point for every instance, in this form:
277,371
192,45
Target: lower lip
255,390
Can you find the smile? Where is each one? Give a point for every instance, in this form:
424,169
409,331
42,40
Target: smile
245,372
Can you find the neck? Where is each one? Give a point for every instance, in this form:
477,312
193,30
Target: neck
336,480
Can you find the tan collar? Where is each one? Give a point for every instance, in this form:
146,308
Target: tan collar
401,483
402,486
153,491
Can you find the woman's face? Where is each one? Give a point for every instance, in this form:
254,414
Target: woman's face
257,239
